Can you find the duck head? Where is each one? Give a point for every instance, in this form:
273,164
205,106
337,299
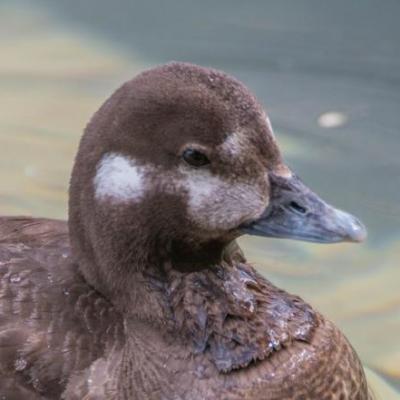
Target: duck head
174,166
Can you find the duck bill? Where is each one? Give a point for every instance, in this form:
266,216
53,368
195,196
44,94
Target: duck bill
295,212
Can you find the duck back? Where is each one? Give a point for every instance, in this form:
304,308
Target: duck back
52,323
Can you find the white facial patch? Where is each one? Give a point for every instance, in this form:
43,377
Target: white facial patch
215,203
119,178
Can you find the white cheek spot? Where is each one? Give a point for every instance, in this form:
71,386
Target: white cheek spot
215,203
119,178
200,186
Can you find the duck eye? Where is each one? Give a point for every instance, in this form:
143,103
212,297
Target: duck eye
195,158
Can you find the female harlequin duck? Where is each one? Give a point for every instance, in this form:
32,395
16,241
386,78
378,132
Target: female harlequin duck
145,294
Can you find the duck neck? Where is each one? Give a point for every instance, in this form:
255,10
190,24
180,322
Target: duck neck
149,278
184,295
198,257
137,279
170,293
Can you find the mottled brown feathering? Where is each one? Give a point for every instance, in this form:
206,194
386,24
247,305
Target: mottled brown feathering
56,331
51,322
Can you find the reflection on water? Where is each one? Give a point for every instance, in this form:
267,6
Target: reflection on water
53,78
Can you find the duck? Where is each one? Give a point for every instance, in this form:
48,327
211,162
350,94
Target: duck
145,294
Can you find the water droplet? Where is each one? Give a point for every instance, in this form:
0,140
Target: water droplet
200,372
66,292
64,255
302,331
50,277
247,279
275,344
37,385
15,278
20,364
90,381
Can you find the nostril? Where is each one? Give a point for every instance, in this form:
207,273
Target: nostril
296,207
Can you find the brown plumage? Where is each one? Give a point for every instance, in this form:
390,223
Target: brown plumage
146,295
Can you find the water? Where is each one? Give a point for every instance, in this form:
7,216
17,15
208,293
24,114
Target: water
329,75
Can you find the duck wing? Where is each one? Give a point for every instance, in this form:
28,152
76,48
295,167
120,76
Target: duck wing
52,323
